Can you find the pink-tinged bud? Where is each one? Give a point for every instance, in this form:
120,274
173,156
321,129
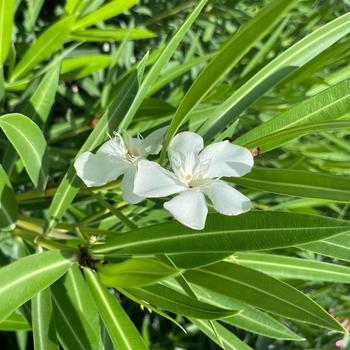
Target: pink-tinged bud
94,122
339,343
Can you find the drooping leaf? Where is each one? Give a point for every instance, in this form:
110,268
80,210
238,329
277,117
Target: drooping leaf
169,299
29,142
248,318
29,276
262,291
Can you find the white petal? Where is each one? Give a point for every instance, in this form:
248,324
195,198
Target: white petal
98,169
114,147
154,181
226,159
226,199
127,186
189,208
152,144
186,142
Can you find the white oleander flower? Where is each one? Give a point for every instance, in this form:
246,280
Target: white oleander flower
196,173
118,156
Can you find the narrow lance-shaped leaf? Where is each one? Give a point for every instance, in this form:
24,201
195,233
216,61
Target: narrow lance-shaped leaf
230,54
72,329
8,203
111,34
29,142
226,338
298,183
122,331
295,268
109,10
74,68
337,247
328,105
168,299
262,291
47,43
248,318
224,235
278,69
16,322
44,331
7,14
29,276
161,62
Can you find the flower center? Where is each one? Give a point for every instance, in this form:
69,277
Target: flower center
188,177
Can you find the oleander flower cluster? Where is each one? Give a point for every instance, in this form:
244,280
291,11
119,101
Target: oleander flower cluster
196,173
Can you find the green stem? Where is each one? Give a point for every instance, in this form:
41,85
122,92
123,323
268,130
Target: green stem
114,211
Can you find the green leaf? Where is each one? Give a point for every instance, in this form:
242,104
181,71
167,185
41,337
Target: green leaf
226,338
134,273
44,330
277,70
121,330
47,43
29,142
295,268
169,299
80,297
279,138
7,14
70,184
39,105
32,13
337,247
330,104
224,235
297,183
161,62
262,291
73,330
16,322
27,277
109,10
230,54
111,34
8,203
79,67
249,318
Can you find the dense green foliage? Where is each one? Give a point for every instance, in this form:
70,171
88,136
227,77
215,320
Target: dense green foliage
270,75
